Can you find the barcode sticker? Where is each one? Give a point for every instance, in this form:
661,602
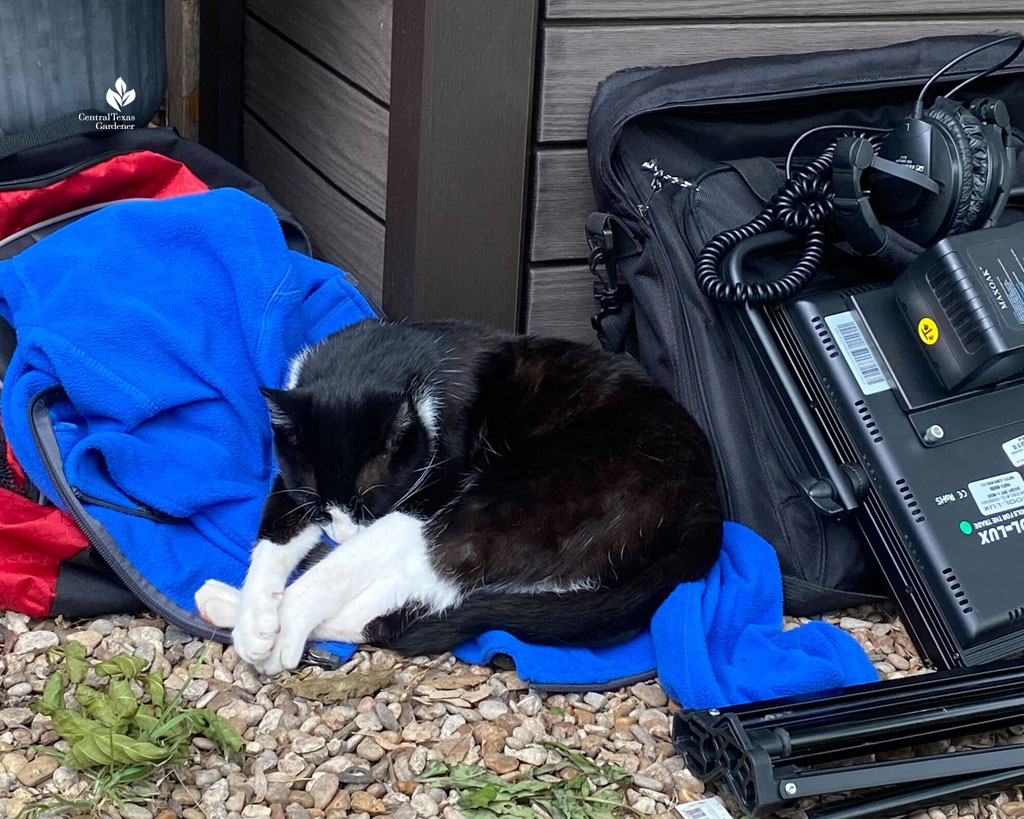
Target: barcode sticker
703,809
854,347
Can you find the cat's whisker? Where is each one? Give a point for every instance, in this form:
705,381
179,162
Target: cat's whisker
312,505
303,489
418,483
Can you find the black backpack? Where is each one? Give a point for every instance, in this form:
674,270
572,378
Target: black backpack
678,155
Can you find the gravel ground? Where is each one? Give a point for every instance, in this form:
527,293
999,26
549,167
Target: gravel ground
306,760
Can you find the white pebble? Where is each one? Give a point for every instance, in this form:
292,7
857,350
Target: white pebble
492,709
32,642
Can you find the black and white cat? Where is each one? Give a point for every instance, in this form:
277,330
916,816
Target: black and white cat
473,480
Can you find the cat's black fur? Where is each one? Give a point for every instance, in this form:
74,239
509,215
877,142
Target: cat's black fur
552,463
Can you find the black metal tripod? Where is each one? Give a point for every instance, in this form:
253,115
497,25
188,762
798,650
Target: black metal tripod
769,753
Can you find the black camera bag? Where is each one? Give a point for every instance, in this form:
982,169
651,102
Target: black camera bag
714,138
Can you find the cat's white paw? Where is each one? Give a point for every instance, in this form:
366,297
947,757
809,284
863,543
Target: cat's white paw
258,627
258,622
341,527
217,603
296,628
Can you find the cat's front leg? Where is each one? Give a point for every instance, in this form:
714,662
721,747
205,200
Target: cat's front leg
384,567
263,590
286,536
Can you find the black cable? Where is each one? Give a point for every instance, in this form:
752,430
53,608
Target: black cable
844,126
802,205
919,104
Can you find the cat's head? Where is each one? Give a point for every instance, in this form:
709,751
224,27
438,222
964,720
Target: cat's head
361,455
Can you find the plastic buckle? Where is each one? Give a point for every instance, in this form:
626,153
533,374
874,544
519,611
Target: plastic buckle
607,297
602,246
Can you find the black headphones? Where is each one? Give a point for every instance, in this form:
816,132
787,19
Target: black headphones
944,171
940,171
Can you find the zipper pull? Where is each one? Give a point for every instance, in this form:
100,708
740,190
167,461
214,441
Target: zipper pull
658,179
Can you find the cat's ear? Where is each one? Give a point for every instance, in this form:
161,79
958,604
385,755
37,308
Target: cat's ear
415,409
279,404
427,409
403,419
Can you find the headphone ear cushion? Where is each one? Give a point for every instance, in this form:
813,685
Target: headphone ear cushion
972,152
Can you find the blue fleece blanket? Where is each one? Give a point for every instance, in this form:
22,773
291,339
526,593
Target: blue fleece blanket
160,321
714,642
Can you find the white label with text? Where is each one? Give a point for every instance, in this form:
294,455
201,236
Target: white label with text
1014,450
703,809
998,494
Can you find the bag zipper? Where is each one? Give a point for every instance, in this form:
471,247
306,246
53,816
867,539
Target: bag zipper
40,404
608,685
636,109
679,321
658,179
40,180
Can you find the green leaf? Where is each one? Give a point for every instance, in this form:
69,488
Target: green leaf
171,726
583,763
122,700
433,770
76,662
527,787
154,685
53,695
96,705
613,773
100,749
216,728
555,709
73,727
123,665
143,725
479,798
151,728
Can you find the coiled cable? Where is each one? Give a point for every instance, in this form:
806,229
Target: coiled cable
803,205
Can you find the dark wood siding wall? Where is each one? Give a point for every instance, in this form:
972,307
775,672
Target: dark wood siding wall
583,41
315,121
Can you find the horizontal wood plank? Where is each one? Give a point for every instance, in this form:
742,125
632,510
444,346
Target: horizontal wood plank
577,58
562,199
560,302
339,130
352,36
342,233
682,9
